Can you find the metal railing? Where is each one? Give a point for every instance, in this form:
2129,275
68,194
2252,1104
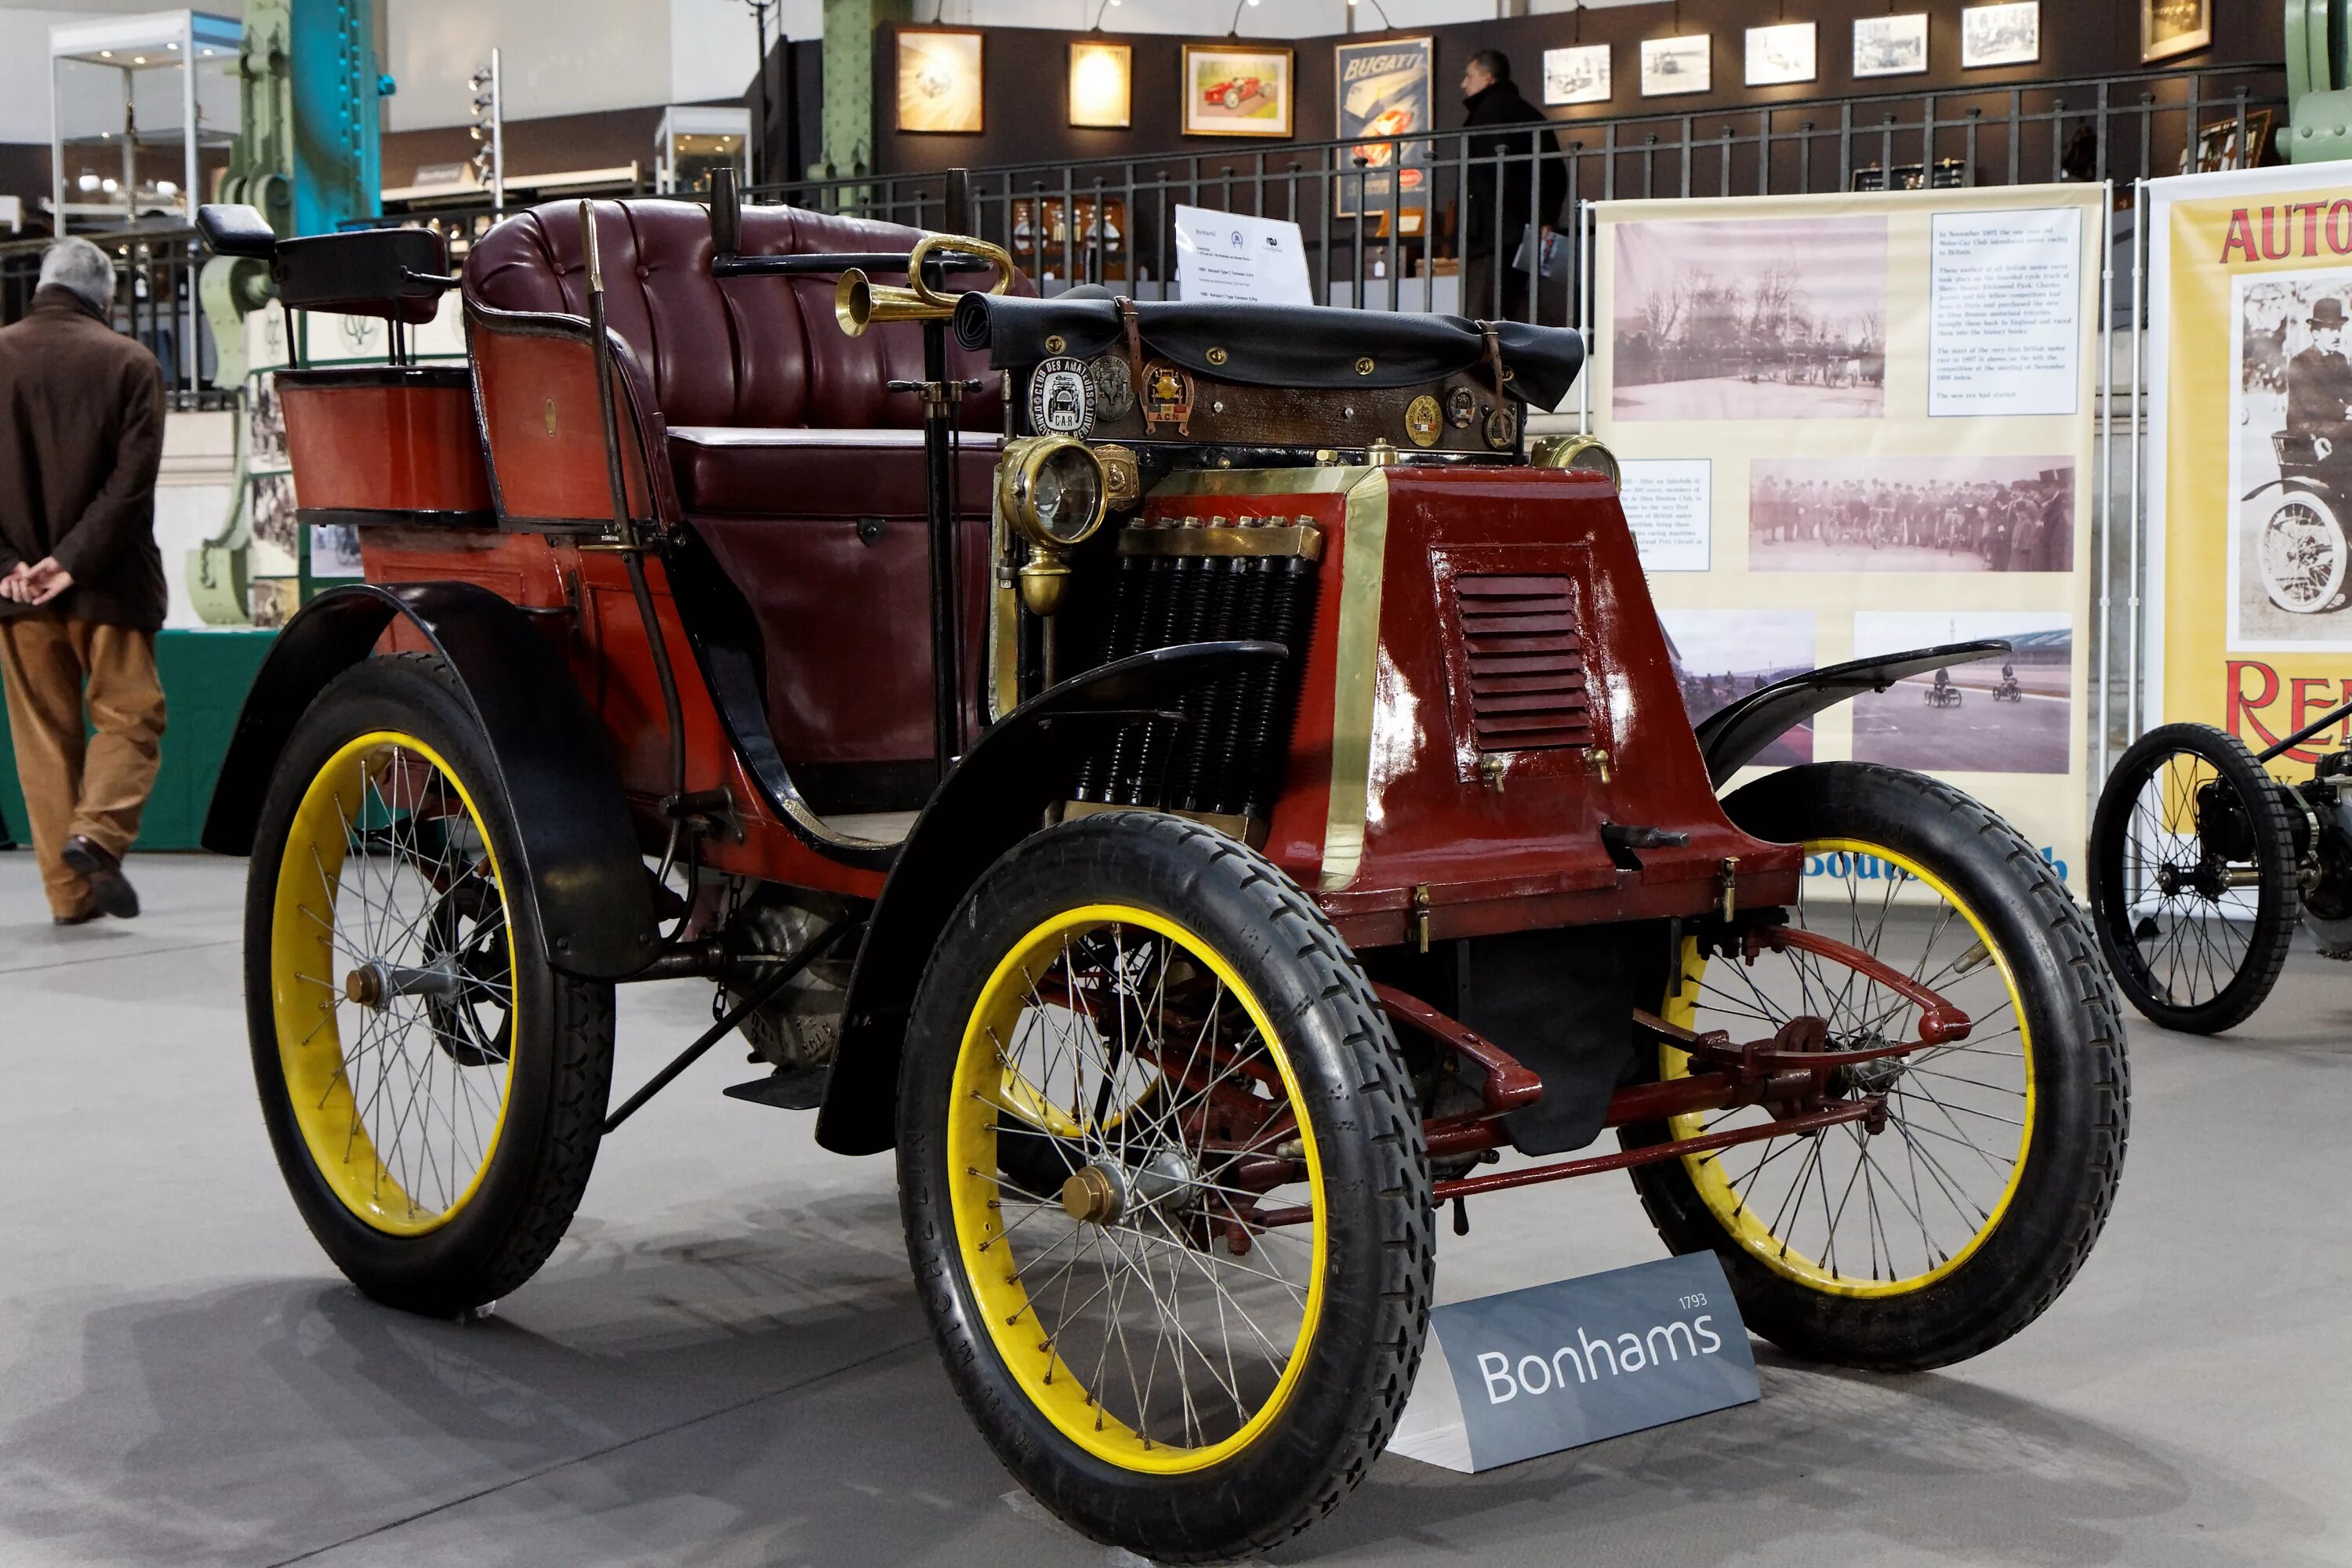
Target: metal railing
1384,242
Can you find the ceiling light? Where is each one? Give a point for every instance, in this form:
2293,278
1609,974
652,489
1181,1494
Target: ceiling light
106,54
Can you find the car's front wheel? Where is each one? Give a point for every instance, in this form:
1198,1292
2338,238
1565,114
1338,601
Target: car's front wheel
1164,1187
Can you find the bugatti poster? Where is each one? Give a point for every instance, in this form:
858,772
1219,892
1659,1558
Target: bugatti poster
1385,94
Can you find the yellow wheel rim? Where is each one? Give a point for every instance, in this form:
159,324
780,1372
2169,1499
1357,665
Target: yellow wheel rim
1112,1041
1843,1211
391,968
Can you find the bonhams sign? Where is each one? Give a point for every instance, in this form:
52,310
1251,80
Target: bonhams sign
1531,1372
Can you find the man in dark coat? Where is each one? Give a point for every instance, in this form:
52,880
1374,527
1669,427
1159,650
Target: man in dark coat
1498,123
2319,380
81,583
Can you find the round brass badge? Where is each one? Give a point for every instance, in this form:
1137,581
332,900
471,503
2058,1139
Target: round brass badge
1422,420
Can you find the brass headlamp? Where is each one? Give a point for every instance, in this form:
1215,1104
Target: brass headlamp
1586,454
1056,490
859,301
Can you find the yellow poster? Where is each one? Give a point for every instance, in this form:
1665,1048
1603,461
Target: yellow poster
1853,426
2249,621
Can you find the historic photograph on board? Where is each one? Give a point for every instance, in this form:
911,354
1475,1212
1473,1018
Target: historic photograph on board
1577,74
1751,319
2291,462
939,81
1890,45
2000,35
1722,656
2168,27
1781,54
1670,66
1887,514
2010,714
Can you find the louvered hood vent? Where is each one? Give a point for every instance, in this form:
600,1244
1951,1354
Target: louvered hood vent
1525,655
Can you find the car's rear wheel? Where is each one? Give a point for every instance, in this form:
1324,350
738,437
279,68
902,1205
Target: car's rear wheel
433,1089
1165,1191
1950,1230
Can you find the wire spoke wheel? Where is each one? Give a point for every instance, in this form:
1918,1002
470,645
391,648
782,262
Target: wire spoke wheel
432,1089
1957,1225
1843,1209
2193,878
2304,556
393,970
1166,1195
1134,1296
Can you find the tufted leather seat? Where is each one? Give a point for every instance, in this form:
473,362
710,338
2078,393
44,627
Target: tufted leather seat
745,352
791,457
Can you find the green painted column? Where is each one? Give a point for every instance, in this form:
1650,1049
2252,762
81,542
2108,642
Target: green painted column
849,75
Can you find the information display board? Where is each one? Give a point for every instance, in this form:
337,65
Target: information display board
1853,425
2249,464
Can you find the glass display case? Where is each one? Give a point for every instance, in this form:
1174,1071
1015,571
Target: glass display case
693,140
142,112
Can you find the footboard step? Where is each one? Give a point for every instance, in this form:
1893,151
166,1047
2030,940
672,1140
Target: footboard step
796,1089
1532,1372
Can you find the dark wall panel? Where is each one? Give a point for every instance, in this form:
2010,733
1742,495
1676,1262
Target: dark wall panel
1026,91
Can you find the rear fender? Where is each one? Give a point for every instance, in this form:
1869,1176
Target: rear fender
1732,737
2294,484
997,797
581,856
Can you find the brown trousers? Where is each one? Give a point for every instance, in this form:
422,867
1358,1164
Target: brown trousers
96,786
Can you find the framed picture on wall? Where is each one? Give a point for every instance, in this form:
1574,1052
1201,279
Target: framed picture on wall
1890,45
1671,66
1384,90
2000,35
1231,89
1102,84
1577,74
2168,27
940,81
1781,54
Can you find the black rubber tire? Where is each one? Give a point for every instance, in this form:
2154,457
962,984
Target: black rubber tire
2083,1118
1381,1240
563,1054
2278,899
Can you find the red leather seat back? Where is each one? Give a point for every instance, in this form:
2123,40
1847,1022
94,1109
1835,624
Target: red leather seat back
740,351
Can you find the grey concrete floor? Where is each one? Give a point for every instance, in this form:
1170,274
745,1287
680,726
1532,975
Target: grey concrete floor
725,1362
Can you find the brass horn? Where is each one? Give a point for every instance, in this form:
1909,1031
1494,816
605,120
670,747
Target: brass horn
859,301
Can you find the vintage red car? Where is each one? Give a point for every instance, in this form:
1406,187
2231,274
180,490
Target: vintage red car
1233,93
1203,843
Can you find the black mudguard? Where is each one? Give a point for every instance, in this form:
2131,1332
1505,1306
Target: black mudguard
581,856
997,797
1732,737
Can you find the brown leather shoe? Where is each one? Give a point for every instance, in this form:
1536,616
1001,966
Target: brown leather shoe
82,918
109,890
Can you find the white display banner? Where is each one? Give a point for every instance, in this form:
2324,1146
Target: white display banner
1853,425
1234,256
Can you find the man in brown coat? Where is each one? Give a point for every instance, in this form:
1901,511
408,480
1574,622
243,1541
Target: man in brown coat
81,583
